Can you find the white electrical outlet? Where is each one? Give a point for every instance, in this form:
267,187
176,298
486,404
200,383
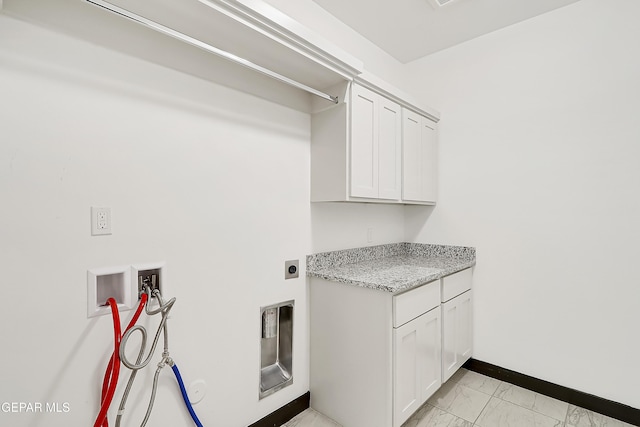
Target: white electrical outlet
100,221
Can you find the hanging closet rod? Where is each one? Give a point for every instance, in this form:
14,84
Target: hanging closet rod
219,52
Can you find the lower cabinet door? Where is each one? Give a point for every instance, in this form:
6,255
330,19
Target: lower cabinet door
406,377
457,341
431,351
416,364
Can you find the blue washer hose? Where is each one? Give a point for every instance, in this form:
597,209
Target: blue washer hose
184,396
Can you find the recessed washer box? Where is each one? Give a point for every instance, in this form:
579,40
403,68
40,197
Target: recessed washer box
109,282
153,271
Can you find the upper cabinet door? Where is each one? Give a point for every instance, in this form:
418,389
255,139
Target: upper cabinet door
389,150
419,158
429,138
411,156
376,135
357,149
364,143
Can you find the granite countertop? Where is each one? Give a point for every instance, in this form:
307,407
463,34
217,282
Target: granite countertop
393,268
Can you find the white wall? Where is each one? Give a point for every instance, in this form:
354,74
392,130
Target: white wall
539,170
337,226
213,182
209,180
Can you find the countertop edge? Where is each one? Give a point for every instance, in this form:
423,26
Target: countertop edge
459,264
393,290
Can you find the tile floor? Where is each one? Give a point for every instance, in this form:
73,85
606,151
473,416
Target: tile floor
470,399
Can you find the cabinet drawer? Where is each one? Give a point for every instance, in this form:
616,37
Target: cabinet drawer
455,284
413,303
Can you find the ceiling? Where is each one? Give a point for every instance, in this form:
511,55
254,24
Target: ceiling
411,29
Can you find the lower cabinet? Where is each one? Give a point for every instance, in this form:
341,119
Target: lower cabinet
416,364
457,322
456,333
376,357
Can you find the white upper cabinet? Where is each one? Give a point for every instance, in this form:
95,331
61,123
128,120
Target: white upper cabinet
364,144
419,158
375,146
371,148
390,150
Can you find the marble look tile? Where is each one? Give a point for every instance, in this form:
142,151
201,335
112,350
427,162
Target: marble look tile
612,422
461,401
475,381
311,418
500,413
430,416
580,417
535,401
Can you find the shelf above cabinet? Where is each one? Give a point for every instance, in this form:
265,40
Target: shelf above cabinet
255,31
249,29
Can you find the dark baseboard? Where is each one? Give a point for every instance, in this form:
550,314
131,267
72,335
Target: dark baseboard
584,400
284,414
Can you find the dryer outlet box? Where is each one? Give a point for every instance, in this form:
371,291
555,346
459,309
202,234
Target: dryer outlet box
291,269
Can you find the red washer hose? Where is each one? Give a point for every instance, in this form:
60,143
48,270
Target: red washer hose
110,380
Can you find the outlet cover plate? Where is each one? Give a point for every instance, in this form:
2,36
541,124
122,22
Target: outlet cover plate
100,221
